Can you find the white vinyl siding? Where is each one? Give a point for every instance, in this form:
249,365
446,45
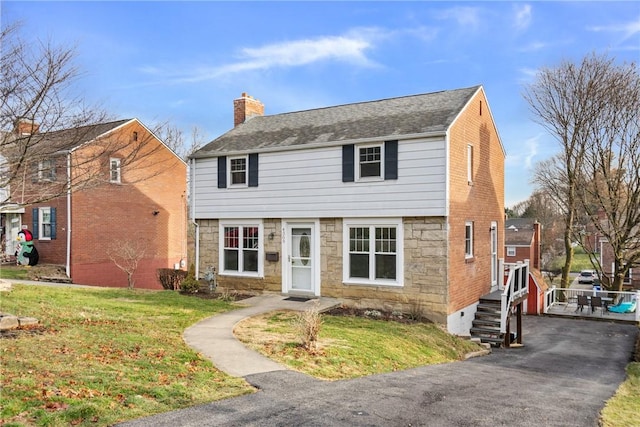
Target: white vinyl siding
307,183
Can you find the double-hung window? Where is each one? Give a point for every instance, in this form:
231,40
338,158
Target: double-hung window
115,173
238,170
47,170
44,223
468,239
373,252
511,251
241,249
370,161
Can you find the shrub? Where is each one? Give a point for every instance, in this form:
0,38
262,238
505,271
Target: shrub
308,325
171,279
190,284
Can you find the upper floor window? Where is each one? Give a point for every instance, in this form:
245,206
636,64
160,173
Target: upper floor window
47,170
114,170
468,239
368,162
134,136
511,251
238,170
241,171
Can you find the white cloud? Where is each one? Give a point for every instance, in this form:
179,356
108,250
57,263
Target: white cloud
524,157
627,29
522,18
350,48
468,17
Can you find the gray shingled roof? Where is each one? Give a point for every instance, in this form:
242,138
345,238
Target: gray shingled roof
61,141
387,118
518,238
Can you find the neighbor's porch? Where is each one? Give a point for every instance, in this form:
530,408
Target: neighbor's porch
564,302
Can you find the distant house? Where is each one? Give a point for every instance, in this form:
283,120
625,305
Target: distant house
101,190
631,279
522,240
395,204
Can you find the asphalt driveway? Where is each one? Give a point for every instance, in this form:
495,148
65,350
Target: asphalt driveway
562,376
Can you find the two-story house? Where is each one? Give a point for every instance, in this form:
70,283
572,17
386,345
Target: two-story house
395,204
99,192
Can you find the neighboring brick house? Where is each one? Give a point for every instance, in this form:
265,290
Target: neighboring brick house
396,204
522,240
127,190
631,279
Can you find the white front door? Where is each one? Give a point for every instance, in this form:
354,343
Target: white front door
302,259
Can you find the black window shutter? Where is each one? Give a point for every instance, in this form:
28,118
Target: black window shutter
34,220
222,172
348,163
253,170
53,223
391,160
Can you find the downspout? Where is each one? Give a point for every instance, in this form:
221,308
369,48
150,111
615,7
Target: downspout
68,264
192,200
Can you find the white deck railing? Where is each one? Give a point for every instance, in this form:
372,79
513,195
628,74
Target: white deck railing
555,296
515,286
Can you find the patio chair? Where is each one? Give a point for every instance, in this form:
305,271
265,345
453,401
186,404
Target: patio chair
596,302
583,302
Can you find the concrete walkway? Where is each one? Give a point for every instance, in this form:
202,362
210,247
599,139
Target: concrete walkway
213,337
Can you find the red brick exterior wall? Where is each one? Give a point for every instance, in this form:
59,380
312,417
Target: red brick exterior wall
114,214
522,253
480,202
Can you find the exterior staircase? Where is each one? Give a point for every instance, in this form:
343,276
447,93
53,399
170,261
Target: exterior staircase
486,325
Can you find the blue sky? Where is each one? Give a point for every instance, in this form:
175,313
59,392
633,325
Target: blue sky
185,62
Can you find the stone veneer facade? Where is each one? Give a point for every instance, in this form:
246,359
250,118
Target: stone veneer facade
425,267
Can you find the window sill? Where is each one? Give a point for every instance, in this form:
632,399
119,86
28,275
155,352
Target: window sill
469,260
241,274
372,284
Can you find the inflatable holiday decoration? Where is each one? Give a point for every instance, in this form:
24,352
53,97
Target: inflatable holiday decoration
26,254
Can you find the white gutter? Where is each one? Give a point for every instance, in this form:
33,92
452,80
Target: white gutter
68,263
192,199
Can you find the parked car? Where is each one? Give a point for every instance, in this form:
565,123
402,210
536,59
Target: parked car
587,277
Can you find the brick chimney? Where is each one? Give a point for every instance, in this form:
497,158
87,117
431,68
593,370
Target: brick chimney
26,127
537,242
246,107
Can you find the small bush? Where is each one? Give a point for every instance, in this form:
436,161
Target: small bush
308,325
171,279
190,284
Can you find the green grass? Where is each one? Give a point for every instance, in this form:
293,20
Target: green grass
623,408
580,261
105,355
352,347
13,272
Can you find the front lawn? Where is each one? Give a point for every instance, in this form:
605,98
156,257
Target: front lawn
352,347
102,356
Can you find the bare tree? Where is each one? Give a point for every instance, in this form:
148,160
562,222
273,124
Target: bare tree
126,255
567,100
42,122
610,188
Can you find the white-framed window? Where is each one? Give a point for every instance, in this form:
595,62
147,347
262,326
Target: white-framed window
370,164
511,251
468,239
44,224
238,170
115,172
373,252
47,170
470,164
241,248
